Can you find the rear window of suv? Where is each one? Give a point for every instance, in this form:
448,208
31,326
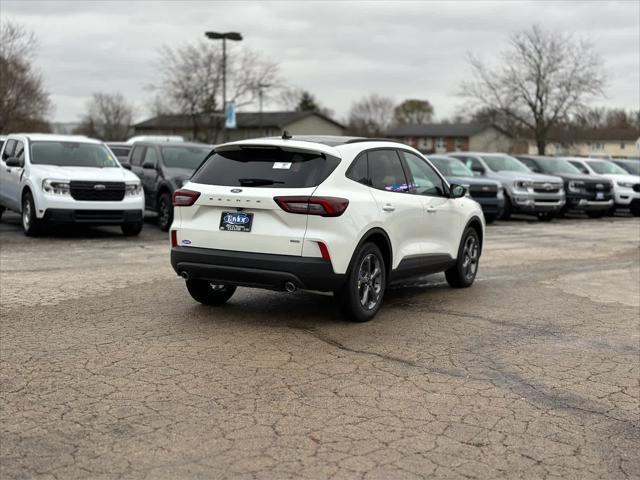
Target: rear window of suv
266,167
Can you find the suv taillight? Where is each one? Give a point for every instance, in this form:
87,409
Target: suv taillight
323,206
184,198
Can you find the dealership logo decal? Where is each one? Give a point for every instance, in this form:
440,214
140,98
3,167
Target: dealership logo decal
99,186
236,219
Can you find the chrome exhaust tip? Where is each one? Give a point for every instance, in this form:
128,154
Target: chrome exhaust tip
184,275
290,287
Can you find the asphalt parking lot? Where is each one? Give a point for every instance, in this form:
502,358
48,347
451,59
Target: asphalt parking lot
110,370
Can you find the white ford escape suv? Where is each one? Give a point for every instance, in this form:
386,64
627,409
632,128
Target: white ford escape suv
68,179
348,215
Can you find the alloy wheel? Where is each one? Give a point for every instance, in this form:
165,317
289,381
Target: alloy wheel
370,281
470,255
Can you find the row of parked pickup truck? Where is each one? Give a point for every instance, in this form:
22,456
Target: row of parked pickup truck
74,179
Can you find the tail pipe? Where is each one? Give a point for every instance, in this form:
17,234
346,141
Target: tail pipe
290,287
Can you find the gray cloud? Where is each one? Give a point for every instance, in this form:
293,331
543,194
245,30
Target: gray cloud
337,50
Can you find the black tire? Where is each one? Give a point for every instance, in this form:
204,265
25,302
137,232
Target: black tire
165,211
635,211
208,293
545,216
367,274
596,214
131,229
2,209
490,218
506,213
31,225
463,273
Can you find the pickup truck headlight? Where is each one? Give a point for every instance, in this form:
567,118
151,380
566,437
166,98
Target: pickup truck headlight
132,189
576,186
625,184
56,187
522,184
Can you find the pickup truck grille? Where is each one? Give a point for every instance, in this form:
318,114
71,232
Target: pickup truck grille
547,187
483,191
97,191
592,187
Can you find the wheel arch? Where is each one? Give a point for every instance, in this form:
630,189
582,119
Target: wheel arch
475,223
380,238
27,188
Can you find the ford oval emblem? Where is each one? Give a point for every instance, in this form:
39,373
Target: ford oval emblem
599,186
186,242
236,190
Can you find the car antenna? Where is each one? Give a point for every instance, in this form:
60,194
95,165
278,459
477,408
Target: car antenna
286,135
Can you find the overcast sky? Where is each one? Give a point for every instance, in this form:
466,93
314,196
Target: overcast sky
339,51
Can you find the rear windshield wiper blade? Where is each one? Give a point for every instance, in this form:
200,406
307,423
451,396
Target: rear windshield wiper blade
246,182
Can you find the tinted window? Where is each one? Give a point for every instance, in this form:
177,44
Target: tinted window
120,152
359,170
151,157
136,155
580,167
72,154
631,166
189,157
425,178
472,164
8,149
18,151
265,167
385,170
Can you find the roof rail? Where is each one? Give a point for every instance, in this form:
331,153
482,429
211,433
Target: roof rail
358,140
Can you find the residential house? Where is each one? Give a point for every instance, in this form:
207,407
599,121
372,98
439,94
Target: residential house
249,125
447,137
616,142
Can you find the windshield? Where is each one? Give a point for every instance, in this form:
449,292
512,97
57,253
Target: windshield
451,168
72,154
266,167
499,163
557,166
606,167
183,156
631,167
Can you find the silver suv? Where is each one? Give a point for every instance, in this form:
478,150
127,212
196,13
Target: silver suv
525,191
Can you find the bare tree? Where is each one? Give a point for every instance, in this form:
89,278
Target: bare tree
413,112
544,78
24,101
109,117
371,116
190,83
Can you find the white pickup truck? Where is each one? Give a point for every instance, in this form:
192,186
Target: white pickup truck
67,179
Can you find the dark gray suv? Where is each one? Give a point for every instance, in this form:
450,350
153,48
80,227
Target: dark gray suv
163,167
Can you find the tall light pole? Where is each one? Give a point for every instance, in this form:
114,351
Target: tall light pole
236,37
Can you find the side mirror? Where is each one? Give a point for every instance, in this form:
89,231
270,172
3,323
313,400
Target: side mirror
457,191
149,166
14,162
126,165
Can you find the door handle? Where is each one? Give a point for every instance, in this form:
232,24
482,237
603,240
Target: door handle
431,209
388,207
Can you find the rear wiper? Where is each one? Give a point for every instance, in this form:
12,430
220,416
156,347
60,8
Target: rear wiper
247,182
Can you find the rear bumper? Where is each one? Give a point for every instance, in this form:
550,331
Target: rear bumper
92,217
258,270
